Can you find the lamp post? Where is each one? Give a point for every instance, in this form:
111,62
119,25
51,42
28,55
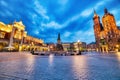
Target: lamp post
79,52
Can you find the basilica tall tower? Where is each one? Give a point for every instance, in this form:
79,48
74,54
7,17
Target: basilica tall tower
110,29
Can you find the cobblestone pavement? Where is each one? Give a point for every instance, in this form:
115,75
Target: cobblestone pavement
24,66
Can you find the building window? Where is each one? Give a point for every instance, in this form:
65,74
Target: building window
2,35
17,34
111,36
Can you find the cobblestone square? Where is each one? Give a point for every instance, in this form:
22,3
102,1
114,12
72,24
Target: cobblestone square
24,66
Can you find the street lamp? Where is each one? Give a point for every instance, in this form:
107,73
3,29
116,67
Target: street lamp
79,52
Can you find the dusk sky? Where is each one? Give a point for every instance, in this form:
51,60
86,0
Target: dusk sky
44,19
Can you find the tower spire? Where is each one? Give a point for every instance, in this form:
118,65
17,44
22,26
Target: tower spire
59,46
58,39
58,36
95,14
105,11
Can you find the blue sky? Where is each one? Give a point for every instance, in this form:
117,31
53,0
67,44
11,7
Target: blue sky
44,19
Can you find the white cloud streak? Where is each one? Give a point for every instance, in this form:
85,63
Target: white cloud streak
63,2
85,13
67,34
40,9
118,23
51,24
2,2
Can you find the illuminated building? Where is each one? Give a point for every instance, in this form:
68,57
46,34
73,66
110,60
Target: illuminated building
79,46
66,46
91,46
4,34
51,46
74,46
107,34
34,43
14,36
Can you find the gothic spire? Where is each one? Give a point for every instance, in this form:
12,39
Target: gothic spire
95,14
58,36
105,11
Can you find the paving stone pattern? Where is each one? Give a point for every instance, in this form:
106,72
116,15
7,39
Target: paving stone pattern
24,66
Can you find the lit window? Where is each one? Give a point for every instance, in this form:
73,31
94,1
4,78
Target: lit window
2,34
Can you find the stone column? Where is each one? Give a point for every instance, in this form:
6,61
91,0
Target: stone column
11,37
106,49
22,36
102,49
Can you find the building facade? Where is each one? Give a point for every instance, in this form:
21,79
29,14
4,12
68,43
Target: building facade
107,34
14,37
74,46
51,46
66,46
91,46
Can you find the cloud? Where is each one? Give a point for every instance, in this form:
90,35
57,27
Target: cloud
40,9
3,3
5,13
61,6
36,32
56,25
86,12
101,3
116,13
70,17
89,11
118,23
67,34
84,36
8,13
51,24
63,2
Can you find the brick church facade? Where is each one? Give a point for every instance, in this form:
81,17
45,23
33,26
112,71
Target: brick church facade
107,34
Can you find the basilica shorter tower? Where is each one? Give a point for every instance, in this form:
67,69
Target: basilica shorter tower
97,29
